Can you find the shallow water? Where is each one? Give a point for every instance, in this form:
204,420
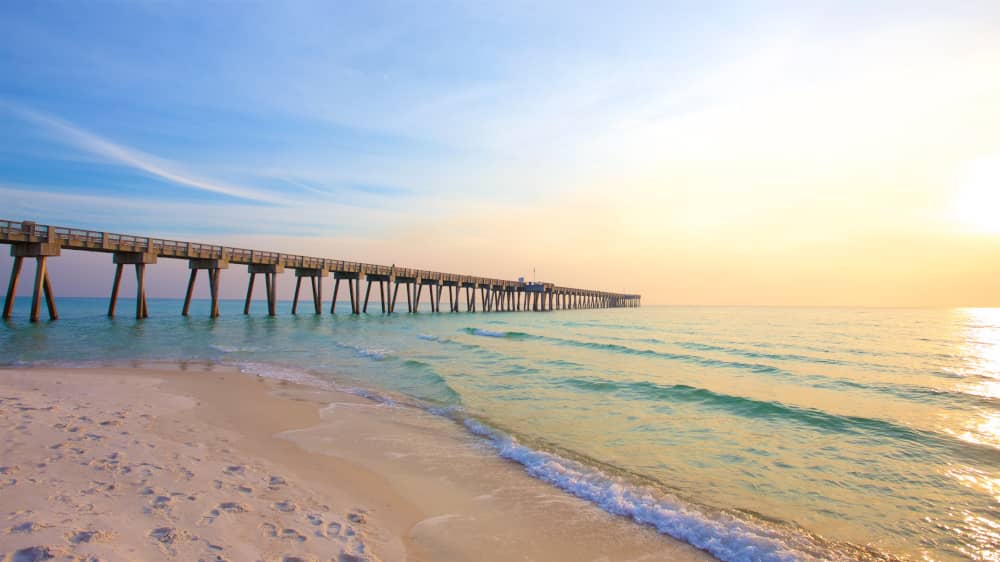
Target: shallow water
753,433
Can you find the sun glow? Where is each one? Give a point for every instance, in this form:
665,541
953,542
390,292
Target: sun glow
977,206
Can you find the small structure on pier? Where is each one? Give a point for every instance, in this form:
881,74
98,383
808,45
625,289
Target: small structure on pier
30,240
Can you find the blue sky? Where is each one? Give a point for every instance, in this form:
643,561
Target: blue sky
364,110
460,130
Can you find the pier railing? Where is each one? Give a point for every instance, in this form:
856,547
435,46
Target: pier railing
30,239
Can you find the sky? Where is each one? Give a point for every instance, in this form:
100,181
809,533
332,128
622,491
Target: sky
752,153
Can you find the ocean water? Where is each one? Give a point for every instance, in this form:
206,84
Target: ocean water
752,433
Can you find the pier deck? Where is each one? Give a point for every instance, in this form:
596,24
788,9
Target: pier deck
39,241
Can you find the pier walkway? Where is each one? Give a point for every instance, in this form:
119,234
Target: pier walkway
39,241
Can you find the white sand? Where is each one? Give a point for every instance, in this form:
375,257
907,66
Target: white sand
86,475
114,464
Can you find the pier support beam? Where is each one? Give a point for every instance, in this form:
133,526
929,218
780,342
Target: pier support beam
433,288
15,273
470,296
213,267
140,261
384,282
368,293
452,295
353,279
392,285
270,272
315,277
395,294
42,287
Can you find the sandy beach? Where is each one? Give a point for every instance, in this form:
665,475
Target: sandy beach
206,463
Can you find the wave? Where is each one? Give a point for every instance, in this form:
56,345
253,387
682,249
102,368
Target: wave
233,349
727,536
765,409
724,535
283,373
774,356
795,357
906,391
581,324
373,352
495,333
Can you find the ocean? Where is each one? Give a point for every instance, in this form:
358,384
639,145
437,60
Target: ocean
751,433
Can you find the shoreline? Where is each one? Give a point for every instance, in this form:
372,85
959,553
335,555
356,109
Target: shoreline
406,484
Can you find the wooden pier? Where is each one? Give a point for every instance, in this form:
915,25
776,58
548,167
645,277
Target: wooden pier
39,241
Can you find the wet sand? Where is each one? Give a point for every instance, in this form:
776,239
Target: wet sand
211,464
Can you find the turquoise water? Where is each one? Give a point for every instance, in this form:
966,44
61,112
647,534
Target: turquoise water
753,433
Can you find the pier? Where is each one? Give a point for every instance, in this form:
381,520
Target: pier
41,242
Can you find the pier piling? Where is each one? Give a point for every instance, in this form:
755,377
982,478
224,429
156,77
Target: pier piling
139,260
315,277
270,272
28,239
212,266
41,288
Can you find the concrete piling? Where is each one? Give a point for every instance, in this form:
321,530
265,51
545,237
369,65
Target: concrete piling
30,240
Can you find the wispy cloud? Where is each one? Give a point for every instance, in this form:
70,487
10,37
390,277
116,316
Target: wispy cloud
71,134
336,187
56,205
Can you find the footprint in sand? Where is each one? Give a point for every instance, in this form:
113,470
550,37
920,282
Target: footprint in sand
26,527
168,535
314,519
333,530
270,530
276,482
210,517
234,507
286,506
33,554
162,502
355,552
78,537
292,535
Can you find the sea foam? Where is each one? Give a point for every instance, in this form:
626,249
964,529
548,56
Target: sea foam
488,333
722,535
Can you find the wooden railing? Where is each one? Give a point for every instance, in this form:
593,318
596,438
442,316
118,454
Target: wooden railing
14,232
